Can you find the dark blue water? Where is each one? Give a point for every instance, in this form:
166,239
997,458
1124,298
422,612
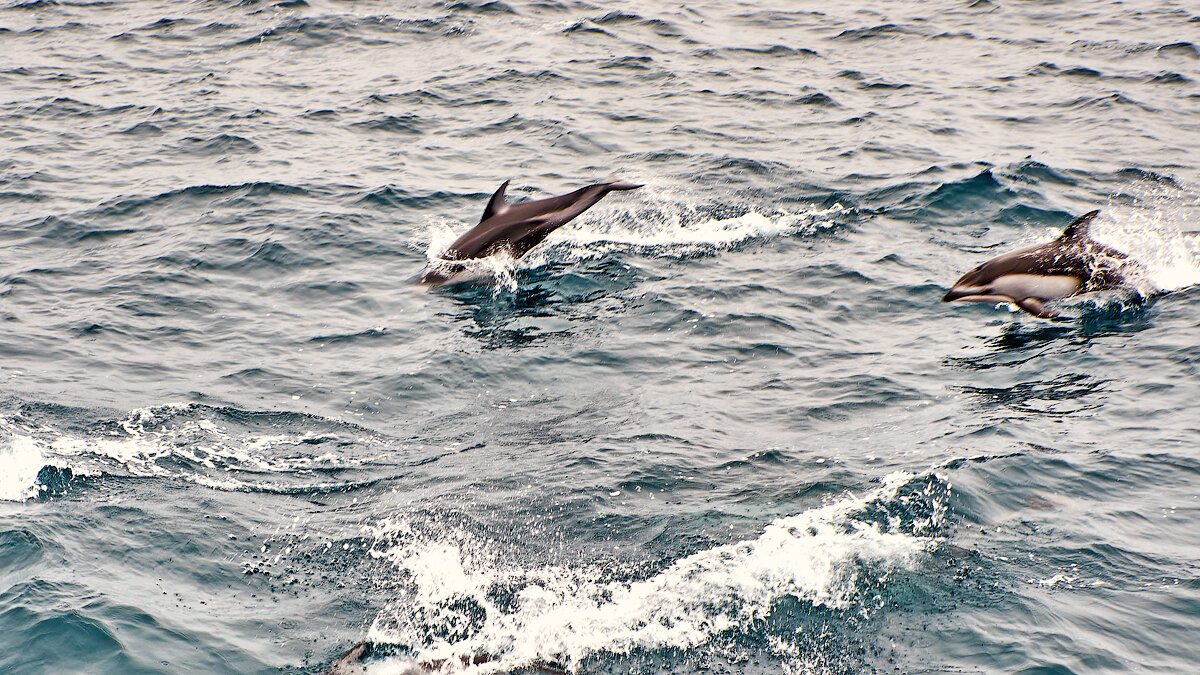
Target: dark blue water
719,424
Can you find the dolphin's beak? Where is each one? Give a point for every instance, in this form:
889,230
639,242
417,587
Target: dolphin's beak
957,293
974,294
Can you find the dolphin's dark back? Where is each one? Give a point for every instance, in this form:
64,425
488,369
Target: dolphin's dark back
520,227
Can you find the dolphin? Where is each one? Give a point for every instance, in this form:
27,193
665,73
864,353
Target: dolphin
516,228
1072,264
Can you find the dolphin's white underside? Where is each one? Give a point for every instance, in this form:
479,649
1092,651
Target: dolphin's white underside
1016,287
473,269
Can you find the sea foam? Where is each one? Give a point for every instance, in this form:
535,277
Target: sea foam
452,608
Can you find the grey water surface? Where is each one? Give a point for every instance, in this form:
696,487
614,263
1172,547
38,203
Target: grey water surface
722,423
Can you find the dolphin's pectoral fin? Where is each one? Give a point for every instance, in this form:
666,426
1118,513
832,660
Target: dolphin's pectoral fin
1036,308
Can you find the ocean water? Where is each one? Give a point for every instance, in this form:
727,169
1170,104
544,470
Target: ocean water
720,424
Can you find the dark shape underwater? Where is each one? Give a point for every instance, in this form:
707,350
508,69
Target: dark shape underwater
515,228
1070,265
354,660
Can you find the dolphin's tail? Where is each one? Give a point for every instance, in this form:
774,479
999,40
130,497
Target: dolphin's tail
614,183
624,185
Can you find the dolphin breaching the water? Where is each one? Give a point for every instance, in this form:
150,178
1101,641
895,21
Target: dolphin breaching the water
1072,264
515,228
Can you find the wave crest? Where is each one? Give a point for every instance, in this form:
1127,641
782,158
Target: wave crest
459,599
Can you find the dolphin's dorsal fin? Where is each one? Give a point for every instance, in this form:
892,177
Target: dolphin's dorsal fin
1078,229
496,204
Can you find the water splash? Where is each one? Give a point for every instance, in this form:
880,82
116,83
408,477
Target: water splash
667,224
499,270
20,460
656,234
1154,232
661,226
463,600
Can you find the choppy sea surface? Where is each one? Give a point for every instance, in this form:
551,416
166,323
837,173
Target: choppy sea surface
722,423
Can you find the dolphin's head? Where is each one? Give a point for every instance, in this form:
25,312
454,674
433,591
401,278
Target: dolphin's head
976,283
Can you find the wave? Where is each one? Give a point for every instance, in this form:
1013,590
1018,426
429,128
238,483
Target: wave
482,7
460,599
398,124
968,195
79,225
310,32
1169,77
222,448
882,31
1185,49
773,50
63,107
221,144
143,129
